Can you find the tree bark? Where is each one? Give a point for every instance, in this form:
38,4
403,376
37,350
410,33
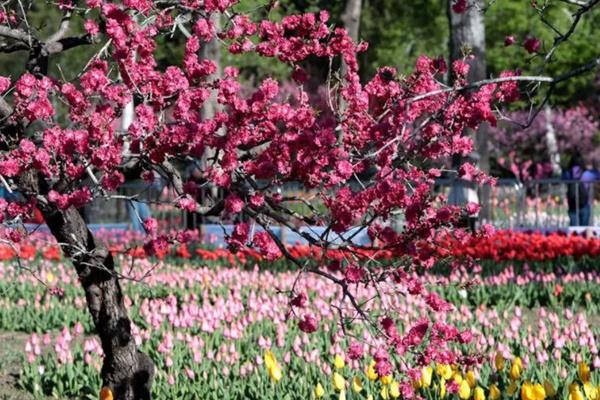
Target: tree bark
467,31
351,18
351,21
551,142
126,371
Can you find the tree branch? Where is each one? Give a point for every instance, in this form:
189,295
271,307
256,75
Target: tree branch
63,28
68,43
16,34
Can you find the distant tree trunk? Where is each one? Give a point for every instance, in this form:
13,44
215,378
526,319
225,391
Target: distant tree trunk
467,31
209,51
552,143
351,20
212,51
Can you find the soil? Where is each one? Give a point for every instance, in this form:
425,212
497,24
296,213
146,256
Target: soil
11,359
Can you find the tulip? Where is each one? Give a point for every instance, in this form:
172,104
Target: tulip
270,359
464,391
357,386
442,388
471,380
394,390
384,393
591,392
574,392
339,362
342,395
479,394
499,361
386,380
494,392
319,391
426,373
371,374
444,371
339,383
584,372
516,369
530,391
275,373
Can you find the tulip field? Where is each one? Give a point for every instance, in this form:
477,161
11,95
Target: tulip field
216,324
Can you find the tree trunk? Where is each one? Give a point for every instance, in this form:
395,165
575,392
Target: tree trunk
467,31
351,21
551,142
351,18
126,371
210,51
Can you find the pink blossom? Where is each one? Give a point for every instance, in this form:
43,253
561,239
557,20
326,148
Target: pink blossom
308,324
532,44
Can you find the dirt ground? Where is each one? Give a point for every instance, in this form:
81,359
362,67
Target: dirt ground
11,359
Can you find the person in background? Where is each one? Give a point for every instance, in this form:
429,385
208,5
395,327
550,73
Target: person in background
579,190
463,192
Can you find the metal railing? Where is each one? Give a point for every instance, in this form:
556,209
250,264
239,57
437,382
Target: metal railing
534,204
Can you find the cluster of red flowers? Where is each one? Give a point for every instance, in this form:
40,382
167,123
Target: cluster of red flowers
520,246
500,246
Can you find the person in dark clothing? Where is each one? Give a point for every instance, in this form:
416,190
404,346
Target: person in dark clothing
579,191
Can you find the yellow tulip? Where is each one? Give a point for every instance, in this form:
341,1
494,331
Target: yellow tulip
357,386
319,391
106,393
270,359
591,392
384,393
394,389
342,395
338,382
370,397
471,380
444,371
464,390
539,393
386,380
275,373
479,394
575,393
530,391
499,361
339,361
512,388
50,279
457,377
550,391
494,392
371,374
442,388
426,374
584,372
516,369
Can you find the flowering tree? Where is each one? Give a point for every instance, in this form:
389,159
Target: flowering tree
525,150
370,159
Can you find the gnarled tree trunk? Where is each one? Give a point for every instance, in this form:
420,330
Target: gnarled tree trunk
126,371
